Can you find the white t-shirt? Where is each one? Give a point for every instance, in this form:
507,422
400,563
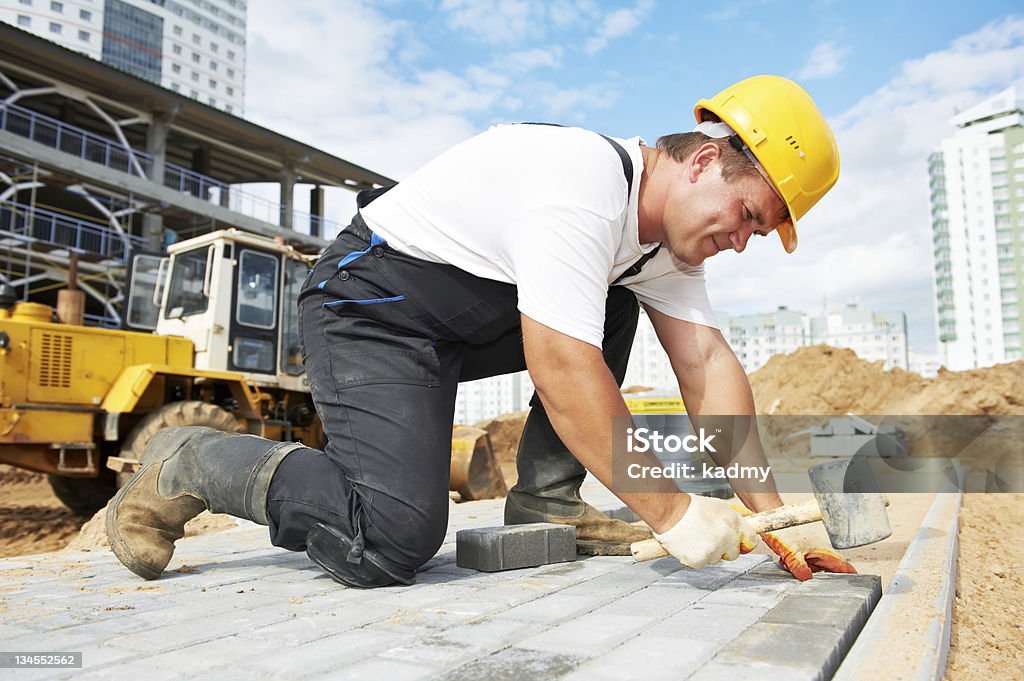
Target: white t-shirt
544,208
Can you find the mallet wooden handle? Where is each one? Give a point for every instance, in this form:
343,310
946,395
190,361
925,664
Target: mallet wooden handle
768,521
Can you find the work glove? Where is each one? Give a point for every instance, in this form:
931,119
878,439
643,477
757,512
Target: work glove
802,565
798,563
708,532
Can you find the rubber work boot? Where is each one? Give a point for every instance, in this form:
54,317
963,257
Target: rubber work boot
548,491
186,471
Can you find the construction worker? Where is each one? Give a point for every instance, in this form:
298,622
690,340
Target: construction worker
526,247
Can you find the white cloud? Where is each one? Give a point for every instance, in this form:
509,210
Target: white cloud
825,61
618,24
496,22
870,238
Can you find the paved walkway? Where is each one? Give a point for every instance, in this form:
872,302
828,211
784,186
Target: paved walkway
233,607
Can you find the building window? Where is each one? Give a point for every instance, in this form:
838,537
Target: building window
57,7
193,94
195,38
176,68
195,57
231,55
176,49
213,65
55,27
133,40
26,2
177,30
213,84
195,76
231,73
24,20
228,108
213,102
174,86
214,47
230,91
84,36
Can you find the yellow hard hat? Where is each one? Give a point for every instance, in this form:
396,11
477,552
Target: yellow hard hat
782,127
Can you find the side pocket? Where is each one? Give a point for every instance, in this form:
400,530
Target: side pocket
411,367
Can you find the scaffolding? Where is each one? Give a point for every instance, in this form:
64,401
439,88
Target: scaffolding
98,166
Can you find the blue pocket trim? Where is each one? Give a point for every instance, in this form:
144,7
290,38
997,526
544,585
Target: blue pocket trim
375,240
371,301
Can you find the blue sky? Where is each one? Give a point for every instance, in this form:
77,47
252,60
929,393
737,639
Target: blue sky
390,84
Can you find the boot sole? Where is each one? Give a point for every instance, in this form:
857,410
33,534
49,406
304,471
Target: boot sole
588,547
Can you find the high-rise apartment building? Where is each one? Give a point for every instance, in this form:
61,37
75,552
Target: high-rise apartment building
977,202
193,47
874,336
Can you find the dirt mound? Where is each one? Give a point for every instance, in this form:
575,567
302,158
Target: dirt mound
32,518
822,380
505,431
94,533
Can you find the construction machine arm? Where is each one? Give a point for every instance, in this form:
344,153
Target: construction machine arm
717,395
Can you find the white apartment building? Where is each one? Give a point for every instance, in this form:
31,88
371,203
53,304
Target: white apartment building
874,336
977,202
194,47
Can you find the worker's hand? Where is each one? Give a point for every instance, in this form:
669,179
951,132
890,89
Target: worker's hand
708,532
802,565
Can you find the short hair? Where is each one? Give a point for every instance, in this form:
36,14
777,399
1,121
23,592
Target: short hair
681,146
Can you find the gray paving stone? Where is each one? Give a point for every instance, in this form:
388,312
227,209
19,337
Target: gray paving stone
184,634
587,635
817,649
655,601
490,635
550,609
376,669
651,658
516,664
492,549
716,671
835,612
714,622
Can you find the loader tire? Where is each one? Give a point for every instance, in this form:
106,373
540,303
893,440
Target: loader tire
174,415
84,496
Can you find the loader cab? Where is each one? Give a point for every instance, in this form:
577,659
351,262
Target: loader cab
234,295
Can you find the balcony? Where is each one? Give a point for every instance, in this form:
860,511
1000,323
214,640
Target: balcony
112,154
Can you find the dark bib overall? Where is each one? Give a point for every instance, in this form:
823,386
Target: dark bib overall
386,338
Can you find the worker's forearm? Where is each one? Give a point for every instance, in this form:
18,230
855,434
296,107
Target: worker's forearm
582,400
730,406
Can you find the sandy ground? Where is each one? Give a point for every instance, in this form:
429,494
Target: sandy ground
988,613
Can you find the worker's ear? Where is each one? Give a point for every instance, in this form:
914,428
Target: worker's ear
702,159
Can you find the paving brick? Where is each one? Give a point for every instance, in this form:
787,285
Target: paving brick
837,612
746,591
379,668
587,635
715,671
550,609
655,601
818,649
714,622
651,658
516,664
490,635
183,634
492,549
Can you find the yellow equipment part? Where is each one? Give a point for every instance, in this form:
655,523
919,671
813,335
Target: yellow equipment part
475,473
132,382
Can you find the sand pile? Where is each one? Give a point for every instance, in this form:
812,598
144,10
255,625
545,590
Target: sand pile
830,381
